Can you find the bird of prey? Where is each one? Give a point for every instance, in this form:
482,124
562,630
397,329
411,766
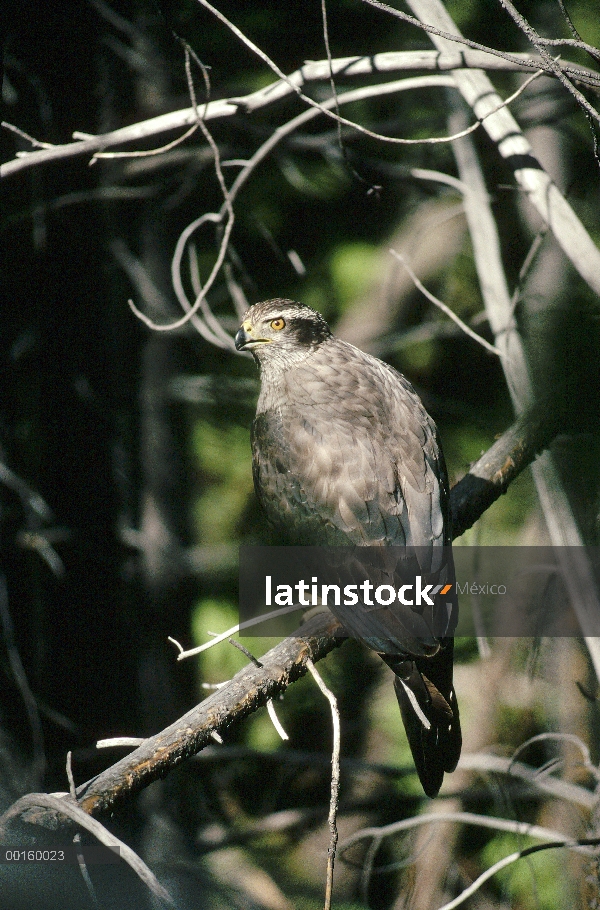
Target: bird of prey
344,454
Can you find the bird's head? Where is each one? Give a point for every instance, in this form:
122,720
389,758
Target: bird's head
281,331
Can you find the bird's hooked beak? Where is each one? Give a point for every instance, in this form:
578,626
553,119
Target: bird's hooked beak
245,340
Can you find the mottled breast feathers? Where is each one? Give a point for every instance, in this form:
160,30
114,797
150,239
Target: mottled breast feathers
344,452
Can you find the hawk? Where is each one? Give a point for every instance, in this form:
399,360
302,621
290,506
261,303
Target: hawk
345,454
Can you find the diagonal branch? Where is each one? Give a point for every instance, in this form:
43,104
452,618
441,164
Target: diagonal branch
493,473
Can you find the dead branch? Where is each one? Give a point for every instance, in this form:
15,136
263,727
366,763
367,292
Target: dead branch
492,474
250,689
450,59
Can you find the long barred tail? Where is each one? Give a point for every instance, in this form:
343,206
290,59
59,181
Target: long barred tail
429,711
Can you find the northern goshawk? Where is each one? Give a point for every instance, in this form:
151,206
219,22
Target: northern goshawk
344,453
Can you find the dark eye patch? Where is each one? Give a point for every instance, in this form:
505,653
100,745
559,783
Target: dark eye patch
309,331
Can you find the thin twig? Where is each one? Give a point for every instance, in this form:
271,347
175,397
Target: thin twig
214,329
565,738
77,839
83,869
335,781
40,543
527,265
512,858
275,720
146,153
30,498
551,64
244,650
70,777
446,309
333,88
331,79
19,132
211,321
190,311
577,39
120,742
507,825
486,763
420,173
570,42
223,636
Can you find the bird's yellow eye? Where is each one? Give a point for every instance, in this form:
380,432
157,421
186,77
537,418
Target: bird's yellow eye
278,324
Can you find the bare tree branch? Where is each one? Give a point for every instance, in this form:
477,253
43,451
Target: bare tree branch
524,829
492,474
449,59
208,326
248,168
